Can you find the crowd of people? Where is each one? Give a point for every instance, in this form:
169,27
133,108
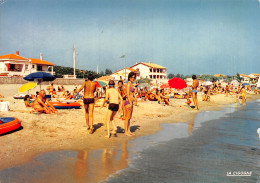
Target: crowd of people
125,96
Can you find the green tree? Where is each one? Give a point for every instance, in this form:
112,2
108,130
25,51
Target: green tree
178,75
238,77
170,76
108,72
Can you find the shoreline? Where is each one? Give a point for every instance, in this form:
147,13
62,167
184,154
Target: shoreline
143,124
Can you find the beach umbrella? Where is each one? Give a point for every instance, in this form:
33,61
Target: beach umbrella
42,76
39,76
207,83
245,84
27,86
143,85
163,86
177,83
100,83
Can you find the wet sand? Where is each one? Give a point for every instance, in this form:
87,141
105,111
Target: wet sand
66,130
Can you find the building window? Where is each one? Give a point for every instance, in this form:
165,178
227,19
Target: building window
39,68
26,67
33,66
151,70
151,77
154,70
138,72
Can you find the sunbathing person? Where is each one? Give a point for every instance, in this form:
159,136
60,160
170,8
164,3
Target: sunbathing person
164,98
205,96
255,90
68,95
157,95
54,93
42,104
113,96
51,89
188,100
27,101
89,101
178,96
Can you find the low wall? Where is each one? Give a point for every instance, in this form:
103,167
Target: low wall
58,81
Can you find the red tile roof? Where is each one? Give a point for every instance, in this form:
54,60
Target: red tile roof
151,65
13,56
39,61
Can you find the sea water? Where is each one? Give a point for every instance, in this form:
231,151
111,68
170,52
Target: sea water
218,146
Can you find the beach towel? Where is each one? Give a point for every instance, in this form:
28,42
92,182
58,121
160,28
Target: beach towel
4,106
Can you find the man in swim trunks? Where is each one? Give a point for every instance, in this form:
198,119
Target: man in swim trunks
42,104
195,85
89,90
113,96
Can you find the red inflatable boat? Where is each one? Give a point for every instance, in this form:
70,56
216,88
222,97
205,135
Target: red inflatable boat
8,124
66,105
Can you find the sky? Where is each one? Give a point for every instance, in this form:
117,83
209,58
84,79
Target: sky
186,36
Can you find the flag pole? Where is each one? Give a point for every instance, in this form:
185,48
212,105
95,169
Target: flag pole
125,65
74,62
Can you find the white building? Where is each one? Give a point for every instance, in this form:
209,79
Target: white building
245,78
155,72
123,74
16,65
255,76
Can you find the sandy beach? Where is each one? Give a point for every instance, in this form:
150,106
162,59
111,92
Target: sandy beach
66,130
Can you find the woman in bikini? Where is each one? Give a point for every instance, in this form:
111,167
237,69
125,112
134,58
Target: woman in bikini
129,102
195,85
121,90
27,101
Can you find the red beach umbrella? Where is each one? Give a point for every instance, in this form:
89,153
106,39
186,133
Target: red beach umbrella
100,83
177,83
97,84
163,86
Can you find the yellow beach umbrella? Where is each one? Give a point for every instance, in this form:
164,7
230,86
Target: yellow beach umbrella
27,86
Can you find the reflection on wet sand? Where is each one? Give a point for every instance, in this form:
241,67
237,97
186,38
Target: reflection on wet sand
93,166
191,127
69,166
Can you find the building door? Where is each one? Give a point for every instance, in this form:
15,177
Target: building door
39,68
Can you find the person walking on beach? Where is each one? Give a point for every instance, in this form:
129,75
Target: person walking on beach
195,85
130,90
243,94
121,90
89,90
113,96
